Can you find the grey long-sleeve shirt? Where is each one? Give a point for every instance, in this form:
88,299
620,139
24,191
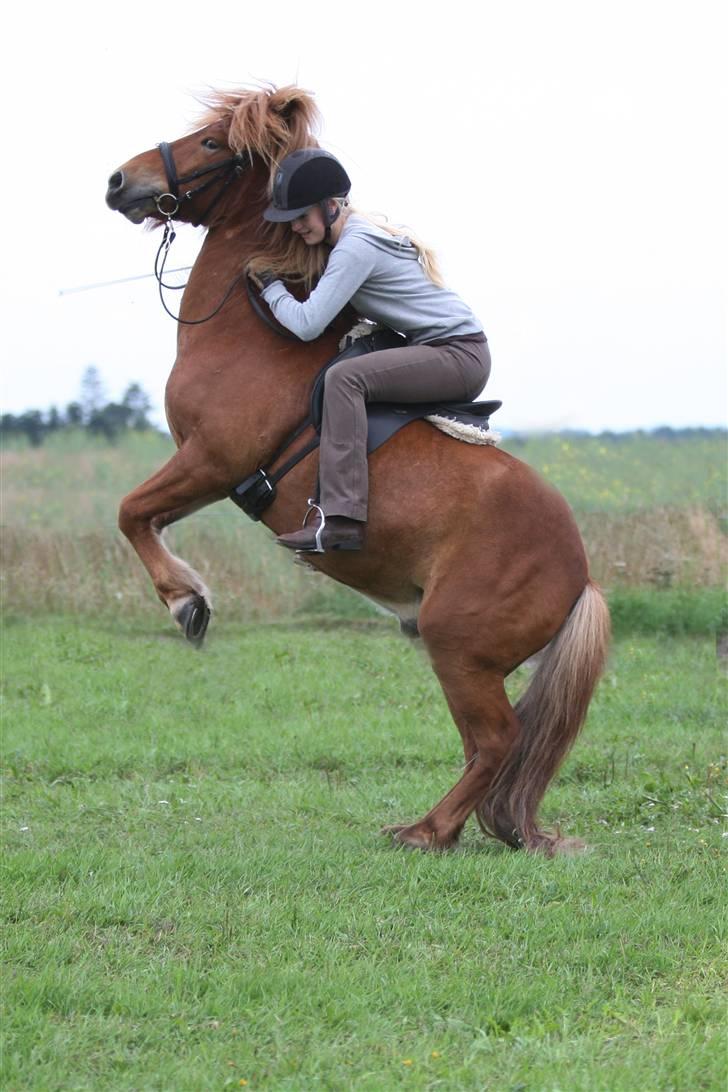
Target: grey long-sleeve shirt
381,277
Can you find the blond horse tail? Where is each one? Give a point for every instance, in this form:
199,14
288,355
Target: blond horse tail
551,713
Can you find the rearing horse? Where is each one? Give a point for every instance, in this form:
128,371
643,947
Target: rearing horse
466,544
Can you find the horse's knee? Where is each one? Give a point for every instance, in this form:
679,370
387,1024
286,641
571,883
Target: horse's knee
128,515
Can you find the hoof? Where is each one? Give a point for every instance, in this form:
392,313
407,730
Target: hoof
194,618
416,836
553,845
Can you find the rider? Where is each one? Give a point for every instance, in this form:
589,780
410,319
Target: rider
391,280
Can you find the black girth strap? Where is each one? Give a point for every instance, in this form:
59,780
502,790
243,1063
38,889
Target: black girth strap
259,490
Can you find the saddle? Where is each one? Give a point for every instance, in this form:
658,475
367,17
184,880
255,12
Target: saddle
384,419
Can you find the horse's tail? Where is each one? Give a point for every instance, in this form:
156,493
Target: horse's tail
551,713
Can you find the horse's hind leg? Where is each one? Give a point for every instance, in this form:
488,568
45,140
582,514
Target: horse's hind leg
488,727
466,656
184,484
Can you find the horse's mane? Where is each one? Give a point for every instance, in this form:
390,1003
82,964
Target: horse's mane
269,123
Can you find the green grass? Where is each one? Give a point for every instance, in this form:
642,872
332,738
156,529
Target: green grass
196,895
668,611
633,472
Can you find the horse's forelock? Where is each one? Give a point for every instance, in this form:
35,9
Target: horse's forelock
268,122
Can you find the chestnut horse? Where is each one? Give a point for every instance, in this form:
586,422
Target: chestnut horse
466,544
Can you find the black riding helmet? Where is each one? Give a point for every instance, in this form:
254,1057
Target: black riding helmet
308,177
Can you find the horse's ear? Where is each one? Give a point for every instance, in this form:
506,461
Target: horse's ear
284,107
298,112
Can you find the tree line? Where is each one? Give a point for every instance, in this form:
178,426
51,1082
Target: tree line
111,419
91,412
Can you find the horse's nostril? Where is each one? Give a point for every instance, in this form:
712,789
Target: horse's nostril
116,181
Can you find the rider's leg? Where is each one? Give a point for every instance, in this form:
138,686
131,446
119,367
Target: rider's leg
456,371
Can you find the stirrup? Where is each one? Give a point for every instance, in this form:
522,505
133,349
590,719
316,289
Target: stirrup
313,507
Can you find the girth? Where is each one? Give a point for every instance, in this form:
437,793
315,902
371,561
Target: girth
384,419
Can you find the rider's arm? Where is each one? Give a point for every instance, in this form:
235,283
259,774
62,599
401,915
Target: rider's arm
351,263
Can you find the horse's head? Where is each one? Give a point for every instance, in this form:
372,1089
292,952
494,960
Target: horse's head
205,176
182,180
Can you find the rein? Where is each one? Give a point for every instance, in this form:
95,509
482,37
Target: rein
164,247
232,168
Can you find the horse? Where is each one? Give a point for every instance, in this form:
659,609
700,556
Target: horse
477,556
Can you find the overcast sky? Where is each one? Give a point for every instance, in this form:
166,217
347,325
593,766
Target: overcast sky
567,159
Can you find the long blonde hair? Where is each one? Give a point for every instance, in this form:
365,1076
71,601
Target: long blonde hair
285,257
425,254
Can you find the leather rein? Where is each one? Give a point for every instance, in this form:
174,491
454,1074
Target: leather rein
168,205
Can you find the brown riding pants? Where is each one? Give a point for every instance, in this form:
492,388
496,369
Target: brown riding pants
451,371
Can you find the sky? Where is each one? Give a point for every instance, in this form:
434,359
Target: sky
567,160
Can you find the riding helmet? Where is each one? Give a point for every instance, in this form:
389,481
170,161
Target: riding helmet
303,179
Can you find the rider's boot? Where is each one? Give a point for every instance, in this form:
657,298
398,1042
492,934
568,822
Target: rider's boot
326,533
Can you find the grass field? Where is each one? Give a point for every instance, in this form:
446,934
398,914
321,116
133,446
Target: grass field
196,895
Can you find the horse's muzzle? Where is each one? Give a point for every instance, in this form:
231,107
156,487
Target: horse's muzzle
135,200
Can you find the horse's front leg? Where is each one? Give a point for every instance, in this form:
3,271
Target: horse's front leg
187,482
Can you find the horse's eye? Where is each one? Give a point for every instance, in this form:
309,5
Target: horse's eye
211,144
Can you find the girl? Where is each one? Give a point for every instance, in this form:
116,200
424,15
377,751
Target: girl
387,278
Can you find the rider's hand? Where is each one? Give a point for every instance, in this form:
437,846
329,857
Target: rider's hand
261,278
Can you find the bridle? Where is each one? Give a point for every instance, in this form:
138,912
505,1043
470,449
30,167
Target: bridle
168,205
226,171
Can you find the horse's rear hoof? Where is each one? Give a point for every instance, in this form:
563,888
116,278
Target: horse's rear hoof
194,618
418,836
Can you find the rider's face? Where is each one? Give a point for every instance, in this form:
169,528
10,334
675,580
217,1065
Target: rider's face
310,226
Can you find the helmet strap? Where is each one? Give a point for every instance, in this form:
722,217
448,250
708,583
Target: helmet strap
329,217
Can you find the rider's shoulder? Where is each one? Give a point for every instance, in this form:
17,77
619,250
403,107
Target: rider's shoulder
359,228
359,231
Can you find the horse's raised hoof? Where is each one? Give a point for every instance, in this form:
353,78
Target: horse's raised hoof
193,619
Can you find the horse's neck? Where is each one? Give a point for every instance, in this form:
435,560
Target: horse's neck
266,377
227,248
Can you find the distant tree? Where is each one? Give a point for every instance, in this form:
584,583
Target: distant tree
109,421
92,393
137,402
74,415
9,425
54,421
31,424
